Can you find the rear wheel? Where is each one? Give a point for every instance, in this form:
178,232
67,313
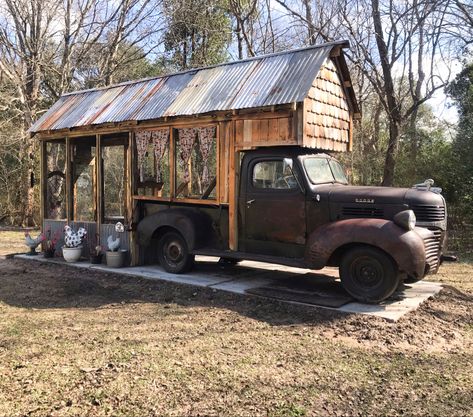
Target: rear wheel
173,253
368,274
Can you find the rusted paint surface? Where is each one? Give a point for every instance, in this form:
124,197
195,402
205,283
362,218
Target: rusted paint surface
268,80
405,247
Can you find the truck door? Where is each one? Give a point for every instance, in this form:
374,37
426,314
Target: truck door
273,209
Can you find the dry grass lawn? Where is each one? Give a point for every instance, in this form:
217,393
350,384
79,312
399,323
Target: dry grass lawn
76,342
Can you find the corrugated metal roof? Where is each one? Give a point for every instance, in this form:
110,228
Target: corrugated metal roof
268,80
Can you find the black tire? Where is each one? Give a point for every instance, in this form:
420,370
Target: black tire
368,274
173,253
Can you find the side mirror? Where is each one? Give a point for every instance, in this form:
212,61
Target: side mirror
288,163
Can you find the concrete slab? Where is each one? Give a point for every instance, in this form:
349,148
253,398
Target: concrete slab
250,274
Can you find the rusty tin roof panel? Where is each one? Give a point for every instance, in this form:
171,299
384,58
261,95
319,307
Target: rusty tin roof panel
212,89
261,81
158,103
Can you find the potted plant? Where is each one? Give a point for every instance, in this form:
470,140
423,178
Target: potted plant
72,248
115,256
50,243
96,254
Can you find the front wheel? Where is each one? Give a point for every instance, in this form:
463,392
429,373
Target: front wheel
368,274
173,253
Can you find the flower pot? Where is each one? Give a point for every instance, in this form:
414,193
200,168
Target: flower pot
72,254
115,259
49,253
96,259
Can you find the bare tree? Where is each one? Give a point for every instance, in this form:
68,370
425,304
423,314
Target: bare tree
402,48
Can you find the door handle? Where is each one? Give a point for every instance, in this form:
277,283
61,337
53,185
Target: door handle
249,202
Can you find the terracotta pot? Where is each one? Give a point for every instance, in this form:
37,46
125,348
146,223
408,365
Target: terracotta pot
72,254
116,259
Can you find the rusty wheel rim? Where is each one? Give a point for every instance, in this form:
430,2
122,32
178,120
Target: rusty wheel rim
173,252
367,272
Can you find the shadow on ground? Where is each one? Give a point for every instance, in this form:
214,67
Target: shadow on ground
35,285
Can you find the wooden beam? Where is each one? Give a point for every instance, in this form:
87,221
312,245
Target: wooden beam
172,164
350,134
99,185
69,191
233,192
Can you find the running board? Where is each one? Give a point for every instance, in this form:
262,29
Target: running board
296,262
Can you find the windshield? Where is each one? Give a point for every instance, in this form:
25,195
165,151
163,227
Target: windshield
323,170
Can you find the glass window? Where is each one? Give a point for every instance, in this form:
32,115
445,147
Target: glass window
152,148
113,182
318,170
338,172
273,175
83,179
55,204
196,163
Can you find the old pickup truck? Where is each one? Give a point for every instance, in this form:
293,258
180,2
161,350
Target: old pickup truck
295,208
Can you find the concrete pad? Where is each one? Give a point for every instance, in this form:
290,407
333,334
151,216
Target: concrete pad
408,299
251,274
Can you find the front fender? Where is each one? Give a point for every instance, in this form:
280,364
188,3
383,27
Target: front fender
405,247
191,224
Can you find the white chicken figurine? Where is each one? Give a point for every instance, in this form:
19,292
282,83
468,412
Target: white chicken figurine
113,244
33,243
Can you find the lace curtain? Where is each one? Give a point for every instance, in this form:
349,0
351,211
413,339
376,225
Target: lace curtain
142,138
160,143
186,142
206,139
160,140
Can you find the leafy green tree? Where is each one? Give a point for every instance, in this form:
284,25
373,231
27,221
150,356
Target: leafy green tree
461,92
199,32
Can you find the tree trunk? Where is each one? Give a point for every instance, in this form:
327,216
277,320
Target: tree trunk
390,161
393,106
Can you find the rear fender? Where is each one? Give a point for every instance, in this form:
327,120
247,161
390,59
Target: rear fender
191,224
405,247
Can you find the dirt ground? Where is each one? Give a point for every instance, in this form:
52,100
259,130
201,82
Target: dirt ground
82,342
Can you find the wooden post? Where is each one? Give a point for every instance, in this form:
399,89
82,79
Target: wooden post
69,191
350,133
172,164
233,192
43,182
99,185
131,204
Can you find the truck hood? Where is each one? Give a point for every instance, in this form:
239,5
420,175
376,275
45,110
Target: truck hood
368,195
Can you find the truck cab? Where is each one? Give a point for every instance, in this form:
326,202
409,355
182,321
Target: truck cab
295,207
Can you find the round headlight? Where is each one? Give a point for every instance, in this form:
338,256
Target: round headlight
406,219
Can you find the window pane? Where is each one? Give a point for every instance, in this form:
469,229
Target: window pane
338,172
273,175
318,170
56,180
196,163
152,148
114,182
83,186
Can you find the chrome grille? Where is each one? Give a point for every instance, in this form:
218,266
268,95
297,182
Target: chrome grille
432,250
428,213
363,212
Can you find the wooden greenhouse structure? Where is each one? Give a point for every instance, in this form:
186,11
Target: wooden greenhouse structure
116,153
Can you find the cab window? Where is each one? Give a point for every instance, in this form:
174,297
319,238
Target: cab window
273,175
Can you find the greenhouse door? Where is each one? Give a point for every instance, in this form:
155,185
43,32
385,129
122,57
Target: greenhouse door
113,179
